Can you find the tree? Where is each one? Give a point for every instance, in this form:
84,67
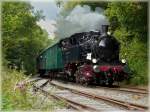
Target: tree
129,24
130,15
22,38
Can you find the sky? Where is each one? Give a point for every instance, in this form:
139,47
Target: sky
50,11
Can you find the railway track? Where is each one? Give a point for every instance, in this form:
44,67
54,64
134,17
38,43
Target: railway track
73,104
145,91
126,89
34,80
134,90
126,105
123,89
84,101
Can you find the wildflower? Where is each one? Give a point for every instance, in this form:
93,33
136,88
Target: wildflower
20,85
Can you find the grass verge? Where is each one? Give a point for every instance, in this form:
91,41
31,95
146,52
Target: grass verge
16,99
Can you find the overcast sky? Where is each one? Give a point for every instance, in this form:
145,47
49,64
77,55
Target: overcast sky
50,11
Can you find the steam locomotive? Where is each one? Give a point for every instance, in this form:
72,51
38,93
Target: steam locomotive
87,57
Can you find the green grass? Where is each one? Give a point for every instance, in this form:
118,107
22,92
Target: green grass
22,100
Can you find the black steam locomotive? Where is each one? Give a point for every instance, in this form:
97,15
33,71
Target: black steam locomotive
87,57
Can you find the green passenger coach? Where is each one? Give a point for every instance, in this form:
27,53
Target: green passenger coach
50,59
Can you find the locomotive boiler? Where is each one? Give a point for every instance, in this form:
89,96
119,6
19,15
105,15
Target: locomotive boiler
87,57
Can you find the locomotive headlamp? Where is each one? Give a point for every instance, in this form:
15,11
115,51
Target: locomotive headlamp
95,68
94,60
109,33
123,61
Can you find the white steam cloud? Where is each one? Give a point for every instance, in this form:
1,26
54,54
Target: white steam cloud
80,19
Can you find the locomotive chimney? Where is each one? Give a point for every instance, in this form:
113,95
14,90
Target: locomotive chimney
104,29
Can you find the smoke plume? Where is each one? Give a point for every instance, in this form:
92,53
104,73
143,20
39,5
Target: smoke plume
80,19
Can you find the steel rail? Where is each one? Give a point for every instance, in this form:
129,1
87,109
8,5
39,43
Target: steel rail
141,89
126,90
133,90
129,106
32,80
55,97
51,95
73,104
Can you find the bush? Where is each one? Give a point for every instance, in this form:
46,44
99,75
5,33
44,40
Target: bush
22,100
135,52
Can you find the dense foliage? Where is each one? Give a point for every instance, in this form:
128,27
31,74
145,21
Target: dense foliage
128,23
22,38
